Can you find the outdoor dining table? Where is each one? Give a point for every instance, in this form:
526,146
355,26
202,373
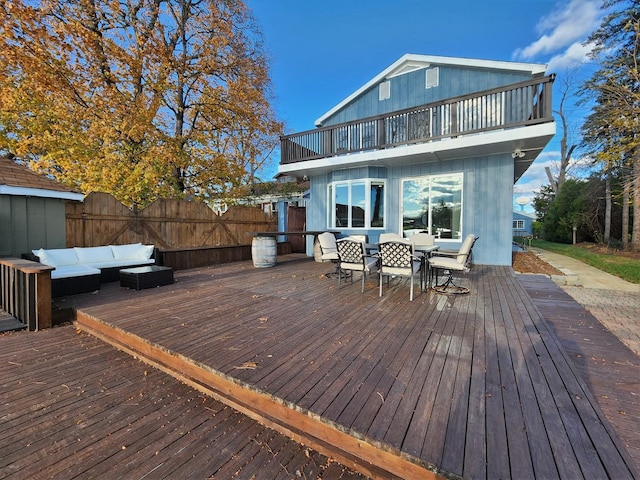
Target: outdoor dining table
427,251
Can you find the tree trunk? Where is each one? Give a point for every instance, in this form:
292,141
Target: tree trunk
607,210
635,232
626,189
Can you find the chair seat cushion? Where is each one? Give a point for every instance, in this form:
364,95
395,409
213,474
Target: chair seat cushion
369,265
446,263
399,271
120,263
68,271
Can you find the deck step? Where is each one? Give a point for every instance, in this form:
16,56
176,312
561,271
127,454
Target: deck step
10,324
374,459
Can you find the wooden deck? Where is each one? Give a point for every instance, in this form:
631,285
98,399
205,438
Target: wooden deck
610,369
74,407
474,385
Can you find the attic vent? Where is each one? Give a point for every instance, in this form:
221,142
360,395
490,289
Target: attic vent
432,77
384,90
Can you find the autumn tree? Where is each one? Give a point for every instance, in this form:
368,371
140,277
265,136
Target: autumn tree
141,99
612,129
566,149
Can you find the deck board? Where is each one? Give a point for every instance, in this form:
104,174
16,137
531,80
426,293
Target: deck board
601,361
477,385
84,409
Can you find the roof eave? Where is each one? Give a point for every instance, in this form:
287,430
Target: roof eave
40,192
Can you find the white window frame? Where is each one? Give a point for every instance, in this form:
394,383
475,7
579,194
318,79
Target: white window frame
331,214
518,224
384,91
431,77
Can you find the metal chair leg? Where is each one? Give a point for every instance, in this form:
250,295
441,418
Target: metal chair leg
449,286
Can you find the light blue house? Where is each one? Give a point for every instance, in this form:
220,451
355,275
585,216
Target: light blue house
523,223
430,144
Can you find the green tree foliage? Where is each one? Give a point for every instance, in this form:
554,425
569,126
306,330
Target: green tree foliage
612,129
141,99
565,212
542,200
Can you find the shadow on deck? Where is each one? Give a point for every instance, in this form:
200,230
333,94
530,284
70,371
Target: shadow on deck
474,385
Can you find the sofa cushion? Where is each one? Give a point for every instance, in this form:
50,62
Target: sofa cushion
73,271
120,263
57,257
135,251
87,255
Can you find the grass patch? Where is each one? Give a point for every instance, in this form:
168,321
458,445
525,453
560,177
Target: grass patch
625,267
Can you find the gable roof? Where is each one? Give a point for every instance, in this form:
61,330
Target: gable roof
522,213
17,179
410,62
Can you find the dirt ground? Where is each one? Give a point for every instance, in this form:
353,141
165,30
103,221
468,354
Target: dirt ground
528,262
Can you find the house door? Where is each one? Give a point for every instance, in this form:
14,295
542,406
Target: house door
296,222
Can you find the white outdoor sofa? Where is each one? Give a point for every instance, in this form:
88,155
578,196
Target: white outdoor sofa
82,269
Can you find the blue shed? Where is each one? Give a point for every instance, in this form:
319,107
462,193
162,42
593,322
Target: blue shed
429,144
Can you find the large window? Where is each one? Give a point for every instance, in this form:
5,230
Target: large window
357,204
434,205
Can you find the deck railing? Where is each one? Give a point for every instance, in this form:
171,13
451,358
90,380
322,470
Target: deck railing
25,292
518,105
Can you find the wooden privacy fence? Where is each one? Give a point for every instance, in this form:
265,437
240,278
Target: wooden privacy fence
168,224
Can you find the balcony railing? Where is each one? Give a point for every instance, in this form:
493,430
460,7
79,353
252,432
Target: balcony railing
518,105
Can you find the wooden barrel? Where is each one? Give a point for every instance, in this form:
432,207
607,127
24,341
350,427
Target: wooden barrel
264,251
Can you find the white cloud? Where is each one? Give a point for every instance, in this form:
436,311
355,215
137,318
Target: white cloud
576,54
567,26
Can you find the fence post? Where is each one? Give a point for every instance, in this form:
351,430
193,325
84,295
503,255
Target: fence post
25,292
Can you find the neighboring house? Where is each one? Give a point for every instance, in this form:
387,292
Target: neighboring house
523,223
32,210
430,143
286,189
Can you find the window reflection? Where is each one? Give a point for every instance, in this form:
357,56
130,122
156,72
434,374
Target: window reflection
342,206
377,205
358,204
433,204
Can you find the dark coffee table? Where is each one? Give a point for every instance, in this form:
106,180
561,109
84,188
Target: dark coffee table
146,277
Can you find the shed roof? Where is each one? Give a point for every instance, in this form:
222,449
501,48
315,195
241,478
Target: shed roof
16,179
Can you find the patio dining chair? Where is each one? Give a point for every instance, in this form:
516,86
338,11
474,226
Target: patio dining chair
352,257
390,237
449,263
422,239
329,250
398,260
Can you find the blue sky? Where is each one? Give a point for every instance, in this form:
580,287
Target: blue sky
323,51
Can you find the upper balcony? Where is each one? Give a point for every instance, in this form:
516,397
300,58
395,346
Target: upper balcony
489,122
